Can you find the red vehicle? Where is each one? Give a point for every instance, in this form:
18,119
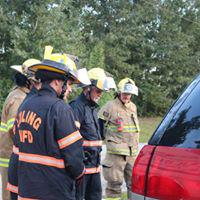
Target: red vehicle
168,168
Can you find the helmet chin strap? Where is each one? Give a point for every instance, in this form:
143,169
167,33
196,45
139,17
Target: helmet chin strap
64,88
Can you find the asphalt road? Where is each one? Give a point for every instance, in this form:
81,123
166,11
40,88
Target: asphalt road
103,181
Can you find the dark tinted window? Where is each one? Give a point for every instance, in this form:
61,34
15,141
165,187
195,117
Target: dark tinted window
184,128
173,112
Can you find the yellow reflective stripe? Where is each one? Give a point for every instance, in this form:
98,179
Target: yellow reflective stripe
3,127
126,128
119,151
4,162
122,151
10,123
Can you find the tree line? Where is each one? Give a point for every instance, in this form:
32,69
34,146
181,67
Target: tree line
154,42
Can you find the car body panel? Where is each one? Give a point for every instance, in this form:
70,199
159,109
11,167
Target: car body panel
140,169
174,173
168,168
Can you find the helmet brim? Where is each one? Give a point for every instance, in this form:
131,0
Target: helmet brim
17,68
50,66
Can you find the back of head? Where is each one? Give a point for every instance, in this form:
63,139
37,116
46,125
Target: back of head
24,76
21,80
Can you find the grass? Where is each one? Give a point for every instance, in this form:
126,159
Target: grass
148,126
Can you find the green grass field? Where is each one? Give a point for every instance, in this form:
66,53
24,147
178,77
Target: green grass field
148,126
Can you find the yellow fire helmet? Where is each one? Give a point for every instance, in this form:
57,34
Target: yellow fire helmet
60,63
25,67
128,86
97,77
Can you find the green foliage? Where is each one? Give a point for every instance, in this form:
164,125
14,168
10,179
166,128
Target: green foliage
5,86
156,43
97,56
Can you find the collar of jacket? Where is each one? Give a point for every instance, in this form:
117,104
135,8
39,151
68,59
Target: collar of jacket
127,105
90,103
48,90
23,89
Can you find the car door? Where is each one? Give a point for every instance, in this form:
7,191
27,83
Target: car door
174,170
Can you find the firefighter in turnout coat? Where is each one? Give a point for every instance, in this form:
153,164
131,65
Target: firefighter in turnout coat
46,138
35,85
10,107
121,137
85,109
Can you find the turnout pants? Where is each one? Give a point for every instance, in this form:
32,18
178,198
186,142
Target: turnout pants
92,187
4,179
117,168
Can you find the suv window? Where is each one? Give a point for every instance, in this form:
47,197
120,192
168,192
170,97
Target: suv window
181,126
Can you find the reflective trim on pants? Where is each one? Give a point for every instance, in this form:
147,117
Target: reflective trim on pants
92,170
12,188
95,143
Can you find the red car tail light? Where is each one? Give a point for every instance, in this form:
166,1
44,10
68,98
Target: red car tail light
174,173
140,170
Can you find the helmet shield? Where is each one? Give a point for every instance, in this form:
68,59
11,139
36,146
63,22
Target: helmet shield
128,86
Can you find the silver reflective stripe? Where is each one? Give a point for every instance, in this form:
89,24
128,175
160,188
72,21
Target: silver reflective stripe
135,196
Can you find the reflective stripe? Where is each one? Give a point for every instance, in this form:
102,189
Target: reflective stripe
15,150
12,188
126,128
10,123
40,159
120,151
70,139
97,143
92,170
23,198
4,162
3,127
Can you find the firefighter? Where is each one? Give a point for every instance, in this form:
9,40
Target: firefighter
121,138
35,85
46,138
85,109
10,107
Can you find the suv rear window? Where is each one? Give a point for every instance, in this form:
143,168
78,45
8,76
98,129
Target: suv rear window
181,126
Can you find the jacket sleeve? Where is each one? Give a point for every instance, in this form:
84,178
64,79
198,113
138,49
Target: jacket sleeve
78,111
11,110
69,140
